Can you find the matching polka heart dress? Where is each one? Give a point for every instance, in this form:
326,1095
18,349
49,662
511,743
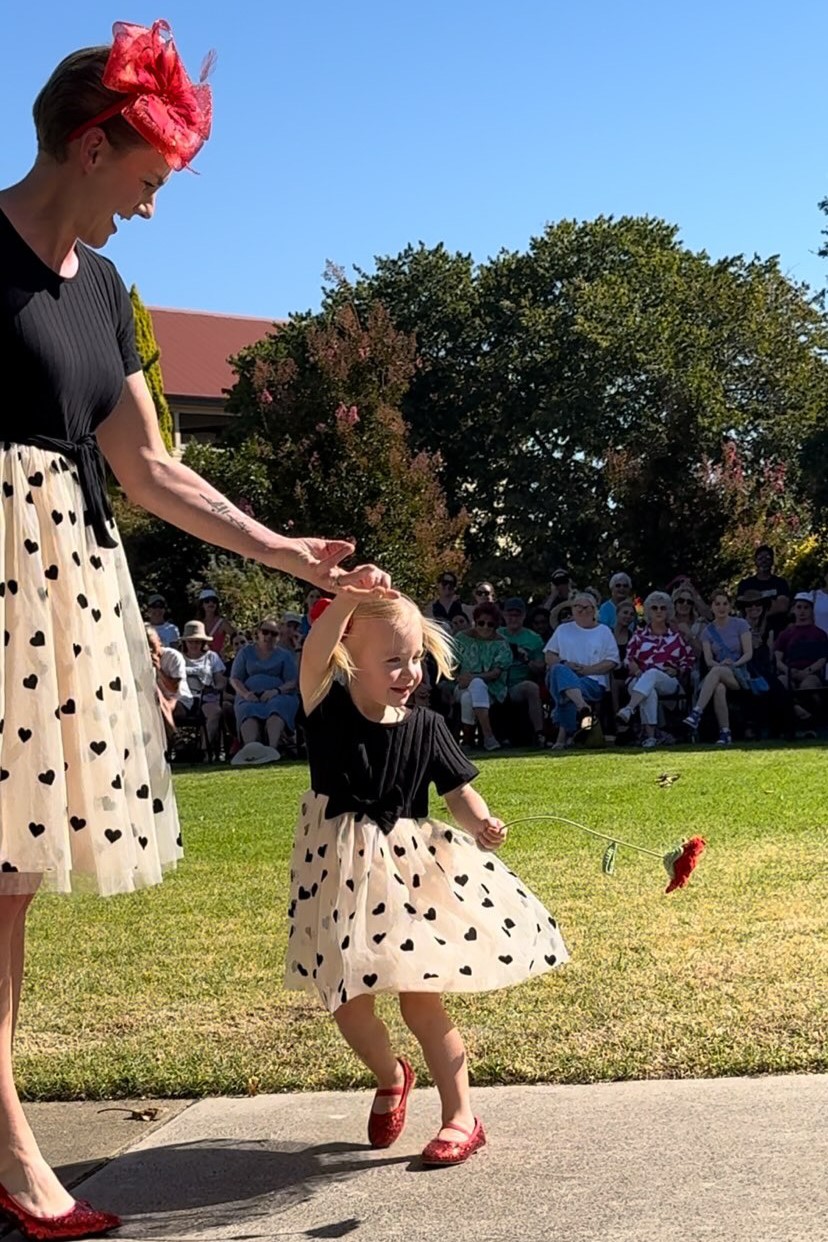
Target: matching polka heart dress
385,898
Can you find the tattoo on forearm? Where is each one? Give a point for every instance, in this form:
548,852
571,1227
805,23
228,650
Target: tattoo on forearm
222,509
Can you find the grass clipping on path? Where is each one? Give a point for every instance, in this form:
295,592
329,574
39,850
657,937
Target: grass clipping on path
178,990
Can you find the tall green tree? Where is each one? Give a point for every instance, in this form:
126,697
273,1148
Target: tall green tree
150,356
320,400
582,394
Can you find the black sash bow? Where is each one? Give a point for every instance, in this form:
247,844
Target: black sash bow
384,811
92,475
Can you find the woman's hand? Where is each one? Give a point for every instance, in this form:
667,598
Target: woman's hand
491,834
317,561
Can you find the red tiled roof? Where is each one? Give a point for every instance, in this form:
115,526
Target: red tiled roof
195,346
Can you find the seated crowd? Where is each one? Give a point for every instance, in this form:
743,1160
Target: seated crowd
567,666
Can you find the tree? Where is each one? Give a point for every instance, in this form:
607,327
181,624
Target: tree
150,356
580,393
320,401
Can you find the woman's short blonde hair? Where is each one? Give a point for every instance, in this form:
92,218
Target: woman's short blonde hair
584,597
402,614
658,597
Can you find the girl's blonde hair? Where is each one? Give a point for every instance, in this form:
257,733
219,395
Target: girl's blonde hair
400,613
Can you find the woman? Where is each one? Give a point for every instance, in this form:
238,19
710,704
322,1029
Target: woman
728,649
820,596
483,660
76,639
626,620
580,655
205,677
265,677
657,657
219,629
448,603
687,620
310,599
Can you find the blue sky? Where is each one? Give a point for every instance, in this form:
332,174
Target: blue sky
346,131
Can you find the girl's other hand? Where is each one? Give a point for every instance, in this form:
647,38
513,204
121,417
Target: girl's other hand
492,834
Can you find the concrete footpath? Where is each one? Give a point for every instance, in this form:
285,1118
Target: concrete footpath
721,1160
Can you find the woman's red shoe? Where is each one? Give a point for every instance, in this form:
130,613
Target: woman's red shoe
385,1128
447,1151
81,1221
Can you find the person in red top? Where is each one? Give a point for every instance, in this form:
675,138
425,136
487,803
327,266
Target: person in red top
801,652
656,657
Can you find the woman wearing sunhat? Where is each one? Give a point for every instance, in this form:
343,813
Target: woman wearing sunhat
85,795
206,679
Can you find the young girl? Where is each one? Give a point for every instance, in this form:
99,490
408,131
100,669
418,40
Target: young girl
384,898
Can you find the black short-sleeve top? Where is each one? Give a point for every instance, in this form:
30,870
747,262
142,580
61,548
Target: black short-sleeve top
381,770
68,343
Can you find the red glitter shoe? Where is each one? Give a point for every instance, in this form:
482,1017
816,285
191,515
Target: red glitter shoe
385,1128
444,1151
81,1221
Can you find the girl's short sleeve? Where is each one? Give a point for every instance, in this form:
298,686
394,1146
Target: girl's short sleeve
449,768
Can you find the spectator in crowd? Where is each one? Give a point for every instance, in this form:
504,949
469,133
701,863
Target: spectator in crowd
483,661
484,593
265,678
626,620
657,657
728,650
448,604
311,598
773,589
688,620
219,629
561,589
460,623
539,622
290,631
755,611
620,586
170,678
821,603
562,612
527,665
580,656
801,652
166,630
205,672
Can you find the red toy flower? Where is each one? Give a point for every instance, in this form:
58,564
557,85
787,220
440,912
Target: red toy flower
681,861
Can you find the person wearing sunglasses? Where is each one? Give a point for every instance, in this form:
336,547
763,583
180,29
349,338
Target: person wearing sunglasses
265,678
483,662
448,604
484,593
658,656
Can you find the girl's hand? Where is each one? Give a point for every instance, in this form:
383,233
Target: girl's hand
491,834
367,582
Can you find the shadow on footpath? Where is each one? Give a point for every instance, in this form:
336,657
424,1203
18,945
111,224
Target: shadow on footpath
198,1188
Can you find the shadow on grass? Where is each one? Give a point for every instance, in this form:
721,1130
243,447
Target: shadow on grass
200,1188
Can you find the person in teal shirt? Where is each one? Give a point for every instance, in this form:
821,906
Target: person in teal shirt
527,667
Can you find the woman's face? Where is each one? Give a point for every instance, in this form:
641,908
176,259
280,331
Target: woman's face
625,614
484,593
459,623
194,648
268,634
753,613
720,605
114,183
311,598
583,614
239,641
658,615
486,627
210,604
684,607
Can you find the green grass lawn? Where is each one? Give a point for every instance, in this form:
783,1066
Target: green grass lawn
178,990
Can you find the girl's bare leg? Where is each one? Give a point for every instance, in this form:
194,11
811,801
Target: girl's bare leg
367,1036
445,1056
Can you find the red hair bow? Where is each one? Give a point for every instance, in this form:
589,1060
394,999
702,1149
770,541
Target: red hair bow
167,110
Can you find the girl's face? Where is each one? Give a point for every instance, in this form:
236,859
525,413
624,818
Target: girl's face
720,605
388,657
753,613
239,641
459,623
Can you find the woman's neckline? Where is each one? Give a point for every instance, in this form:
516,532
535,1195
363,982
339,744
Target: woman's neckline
64,280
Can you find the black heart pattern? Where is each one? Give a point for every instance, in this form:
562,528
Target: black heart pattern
369,980
38,639
46,778
37,830
30,682
113,834
77,823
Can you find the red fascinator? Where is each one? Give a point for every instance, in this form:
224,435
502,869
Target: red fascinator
162,105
